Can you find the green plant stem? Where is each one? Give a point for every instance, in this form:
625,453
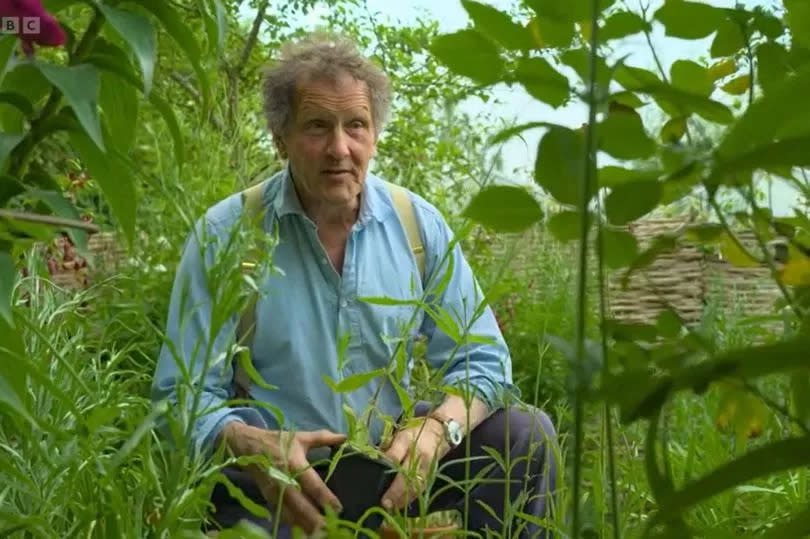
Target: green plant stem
582,280
647,36
608,417
47,220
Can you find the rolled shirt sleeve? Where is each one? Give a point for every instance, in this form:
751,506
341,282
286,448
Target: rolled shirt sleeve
192,340
488,363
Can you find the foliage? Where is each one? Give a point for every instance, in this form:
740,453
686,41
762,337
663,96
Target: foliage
116,130
765,136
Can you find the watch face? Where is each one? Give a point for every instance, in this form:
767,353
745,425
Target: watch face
454,431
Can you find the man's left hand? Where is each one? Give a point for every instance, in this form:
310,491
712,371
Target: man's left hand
414,448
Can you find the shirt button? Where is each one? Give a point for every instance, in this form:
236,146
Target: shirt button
344,303
323,260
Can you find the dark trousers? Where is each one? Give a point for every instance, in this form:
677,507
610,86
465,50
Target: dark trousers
529,447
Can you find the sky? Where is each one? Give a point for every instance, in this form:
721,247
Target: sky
516,104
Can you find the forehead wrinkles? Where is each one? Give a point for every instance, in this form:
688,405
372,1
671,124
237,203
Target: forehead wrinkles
331,102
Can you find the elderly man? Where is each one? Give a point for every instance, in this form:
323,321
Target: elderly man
341,237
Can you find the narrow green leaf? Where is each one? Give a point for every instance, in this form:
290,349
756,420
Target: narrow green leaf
504,208
632,200
620,247
689,20
622,135
7,144
184,37
444,322
119,105
355,381
8,277
728,40
542,81
381,300
691,77
215,24
139,33
622,24
565,225
405,399
115,180
560,164
246,363
12,355
79,84
761,462
498,26
469,53
235,492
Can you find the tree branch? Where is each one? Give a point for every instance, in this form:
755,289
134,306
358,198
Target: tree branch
48,220
252,38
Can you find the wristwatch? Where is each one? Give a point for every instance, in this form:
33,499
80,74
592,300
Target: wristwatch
453,433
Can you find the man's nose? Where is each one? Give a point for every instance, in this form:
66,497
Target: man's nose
338,147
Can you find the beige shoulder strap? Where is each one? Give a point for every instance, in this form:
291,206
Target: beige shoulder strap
245,330
404,207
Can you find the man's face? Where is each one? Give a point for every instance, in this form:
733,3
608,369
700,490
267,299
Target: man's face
330,139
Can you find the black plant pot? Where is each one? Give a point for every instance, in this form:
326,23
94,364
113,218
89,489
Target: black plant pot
358,481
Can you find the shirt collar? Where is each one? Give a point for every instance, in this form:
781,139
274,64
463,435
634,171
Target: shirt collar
375,202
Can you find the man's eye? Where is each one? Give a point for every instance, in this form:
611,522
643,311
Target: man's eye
357,124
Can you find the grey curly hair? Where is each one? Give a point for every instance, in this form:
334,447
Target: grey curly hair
321,56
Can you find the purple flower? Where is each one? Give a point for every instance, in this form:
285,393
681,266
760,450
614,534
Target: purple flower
33,24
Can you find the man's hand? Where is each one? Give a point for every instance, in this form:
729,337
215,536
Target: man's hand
288,452
414,448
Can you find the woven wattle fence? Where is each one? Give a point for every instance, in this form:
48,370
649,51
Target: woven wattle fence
686,279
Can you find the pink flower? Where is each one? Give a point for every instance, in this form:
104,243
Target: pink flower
32,24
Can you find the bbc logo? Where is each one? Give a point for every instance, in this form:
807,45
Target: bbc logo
19,25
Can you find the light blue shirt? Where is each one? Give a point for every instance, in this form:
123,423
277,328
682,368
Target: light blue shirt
307,307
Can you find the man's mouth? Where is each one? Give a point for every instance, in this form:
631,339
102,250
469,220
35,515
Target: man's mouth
336,171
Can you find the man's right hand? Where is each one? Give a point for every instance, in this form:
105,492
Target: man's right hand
288,452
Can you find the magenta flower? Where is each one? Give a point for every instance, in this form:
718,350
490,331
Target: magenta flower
32,24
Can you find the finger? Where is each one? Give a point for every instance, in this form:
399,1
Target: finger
301,511
313,486
320,438
399,448
395,493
